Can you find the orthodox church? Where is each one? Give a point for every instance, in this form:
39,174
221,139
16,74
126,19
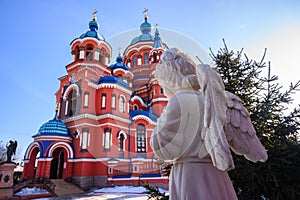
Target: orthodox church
100,134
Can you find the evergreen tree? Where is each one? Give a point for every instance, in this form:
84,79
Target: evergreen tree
277,128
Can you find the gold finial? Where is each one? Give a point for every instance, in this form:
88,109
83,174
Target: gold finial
145,12
56,109
95,15
156,26
119,50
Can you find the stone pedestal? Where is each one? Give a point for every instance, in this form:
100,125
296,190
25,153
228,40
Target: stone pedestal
6,180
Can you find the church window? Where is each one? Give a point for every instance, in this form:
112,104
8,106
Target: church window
139,61
121,141
161,90
113,101
134,62
146,57
155,91
128,63
103,103
135,107
107,139
122,104
71,103
141,138
110,170
135,168
86,100
89,53
85,138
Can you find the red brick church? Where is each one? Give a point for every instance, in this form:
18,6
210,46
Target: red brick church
100,134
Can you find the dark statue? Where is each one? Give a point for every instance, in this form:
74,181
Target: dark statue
11,149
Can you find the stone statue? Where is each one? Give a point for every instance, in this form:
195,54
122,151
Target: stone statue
11,149
198,127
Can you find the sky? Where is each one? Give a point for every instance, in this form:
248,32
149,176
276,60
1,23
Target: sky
36,35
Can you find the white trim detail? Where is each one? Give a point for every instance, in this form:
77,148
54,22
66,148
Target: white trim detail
30,148
68,90
65,146
95,117
143,117
158,100
109,85
89,65
136,97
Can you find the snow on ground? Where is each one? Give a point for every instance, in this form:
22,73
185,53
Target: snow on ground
34,190
112,193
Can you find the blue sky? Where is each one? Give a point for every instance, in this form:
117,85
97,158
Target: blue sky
35,37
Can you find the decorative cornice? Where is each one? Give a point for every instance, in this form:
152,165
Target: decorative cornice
139,99
89,65
109,85
95,117
143,117
94,39
138,46
158,100
51,137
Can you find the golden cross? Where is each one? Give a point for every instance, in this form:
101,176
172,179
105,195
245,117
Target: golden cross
145,11
95,14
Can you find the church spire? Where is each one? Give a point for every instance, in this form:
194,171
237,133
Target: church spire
157,39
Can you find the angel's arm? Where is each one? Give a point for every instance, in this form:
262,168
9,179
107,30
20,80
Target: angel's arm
165,141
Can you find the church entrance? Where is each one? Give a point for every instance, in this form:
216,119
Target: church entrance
57,164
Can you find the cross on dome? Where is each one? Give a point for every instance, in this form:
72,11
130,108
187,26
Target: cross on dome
95,14
146,12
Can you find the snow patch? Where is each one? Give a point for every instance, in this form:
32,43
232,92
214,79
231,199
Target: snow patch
34,190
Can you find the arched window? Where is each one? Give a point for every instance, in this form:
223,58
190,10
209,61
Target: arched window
141,138
161,90
85,139
154,57
146,57
121,141
103,101
71,103
113,101
107,139
135,107
89,53
86,99
122,104
134,62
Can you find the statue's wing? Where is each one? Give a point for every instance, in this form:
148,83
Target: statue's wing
215,105
240,132
15,147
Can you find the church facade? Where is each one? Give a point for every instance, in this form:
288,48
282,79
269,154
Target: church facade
100,134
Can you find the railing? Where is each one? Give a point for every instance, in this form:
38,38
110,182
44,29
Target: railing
145,168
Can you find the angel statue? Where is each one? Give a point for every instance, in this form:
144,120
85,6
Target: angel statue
198,127
11,149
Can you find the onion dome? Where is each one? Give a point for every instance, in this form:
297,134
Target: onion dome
146,31
114,80
93,32
54,127
119,64
157,40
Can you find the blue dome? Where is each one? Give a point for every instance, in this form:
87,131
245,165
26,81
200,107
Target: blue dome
119,64
113,79
145,27
54,127
93,32
146,33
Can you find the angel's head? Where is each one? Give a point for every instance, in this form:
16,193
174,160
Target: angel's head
176,71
